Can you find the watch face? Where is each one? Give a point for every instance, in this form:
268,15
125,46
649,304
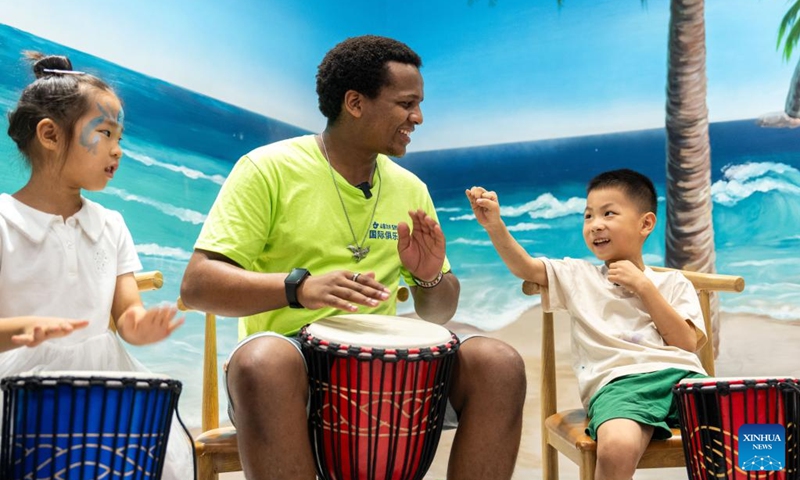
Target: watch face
297,275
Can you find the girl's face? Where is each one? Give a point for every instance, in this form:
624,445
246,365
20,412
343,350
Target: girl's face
95,153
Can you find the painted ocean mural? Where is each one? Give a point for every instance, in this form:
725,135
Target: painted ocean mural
180,145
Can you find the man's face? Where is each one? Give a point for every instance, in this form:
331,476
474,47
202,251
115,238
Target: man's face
395,112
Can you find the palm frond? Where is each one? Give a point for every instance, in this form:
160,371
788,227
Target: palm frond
791,41
789,22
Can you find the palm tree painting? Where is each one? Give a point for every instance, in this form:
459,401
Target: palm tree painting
689,229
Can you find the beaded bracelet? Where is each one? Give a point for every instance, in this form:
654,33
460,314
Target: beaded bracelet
431,284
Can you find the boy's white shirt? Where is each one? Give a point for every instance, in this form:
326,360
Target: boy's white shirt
612,333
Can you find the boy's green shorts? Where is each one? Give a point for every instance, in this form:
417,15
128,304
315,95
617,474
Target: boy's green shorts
645,398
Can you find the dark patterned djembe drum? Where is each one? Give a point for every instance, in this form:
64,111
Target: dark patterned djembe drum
379,387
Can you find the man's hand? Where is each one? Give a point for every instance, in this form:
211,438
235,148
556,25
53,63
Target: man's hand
421,248
343,290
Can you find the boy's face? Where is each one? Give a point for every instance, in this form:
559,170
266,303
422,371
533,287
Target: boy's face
613,227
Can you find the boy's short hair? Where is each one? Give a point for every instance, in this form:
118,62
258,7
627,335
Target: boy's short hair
637,187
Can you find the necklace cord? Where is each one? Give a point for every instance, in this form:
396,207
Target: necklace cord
359,247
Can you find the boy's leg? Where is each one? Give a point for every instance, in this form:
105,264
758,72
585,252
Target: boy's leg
268,387
488,392
620,445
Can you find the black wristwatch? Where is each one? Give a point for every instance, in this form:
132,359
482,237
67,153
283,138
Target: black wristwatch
293,280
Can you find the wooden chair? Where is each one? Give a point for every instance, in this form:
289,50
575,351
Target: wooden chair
217,448
565,431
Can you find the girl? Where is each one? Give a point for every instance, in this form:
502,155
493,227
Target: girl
64,256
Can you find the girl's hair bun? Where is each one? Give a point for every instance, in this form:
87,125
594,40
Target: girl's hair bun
48,62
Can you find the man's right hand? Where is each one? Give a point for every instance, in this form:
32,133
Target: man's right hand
343,290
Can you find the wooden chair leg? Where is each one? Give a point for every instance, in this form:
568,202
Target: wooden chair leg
205,468
588,465
549,463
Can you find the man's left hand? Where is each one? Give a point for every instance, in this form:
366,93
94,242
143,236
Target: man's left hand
422,247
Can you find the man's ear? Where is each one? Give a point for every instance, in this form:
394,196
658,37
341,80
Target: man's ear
648,223
353,102
49,134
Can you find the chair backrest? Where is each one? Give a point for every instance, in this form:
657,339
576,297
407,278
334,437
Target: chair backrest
704,283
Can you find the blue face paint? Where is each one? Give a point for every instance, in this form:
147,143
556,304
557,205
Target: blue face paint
87,139
121,117
91,141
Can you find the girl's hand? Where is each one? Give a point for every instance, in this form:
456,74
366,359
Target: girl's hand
45,329
138,326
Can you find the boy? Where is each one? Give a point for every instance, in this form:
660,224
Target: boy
634,331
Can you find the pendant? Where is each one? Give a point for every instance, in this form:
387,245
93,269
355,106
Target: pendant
359,253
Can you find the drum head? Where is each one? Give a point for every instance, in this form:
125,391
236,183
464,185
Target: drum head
734,380
379,331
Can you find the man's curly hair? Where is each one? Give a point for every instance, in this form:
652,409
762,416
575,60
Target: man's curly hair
358,63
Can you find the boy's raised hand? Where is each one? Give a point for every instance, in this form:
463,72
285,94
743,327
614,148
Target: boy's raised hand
47,328
140,326
485,205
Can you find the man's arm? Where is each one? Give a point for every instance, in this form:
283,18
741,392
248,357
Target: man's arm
437,304
486,208
216,284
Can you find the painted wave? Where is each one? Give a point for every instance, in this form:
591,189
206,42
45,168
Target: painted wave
183,214
741,181
183,170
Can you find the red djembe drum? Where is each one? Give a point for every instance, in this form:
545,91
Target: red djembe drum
712,412
378,394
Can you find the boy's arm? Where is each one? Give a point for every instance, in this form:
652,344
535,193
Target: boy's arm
486,208
673,328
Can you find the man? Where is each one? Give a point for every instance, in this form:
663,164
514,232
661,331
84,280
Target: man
312,227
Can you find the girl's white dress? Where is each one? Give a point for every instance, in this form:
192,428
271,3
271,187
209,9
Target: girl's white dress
68,269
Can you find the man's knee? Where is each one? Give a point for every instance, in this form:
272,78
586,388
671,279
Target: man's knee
266,360
487,363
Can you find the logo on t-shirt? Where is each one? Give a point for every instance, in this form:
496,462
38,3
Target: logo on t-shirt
383,231
762,447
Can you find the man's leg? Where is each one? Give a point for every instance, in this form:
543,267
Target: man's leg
268,386
488,391
620,444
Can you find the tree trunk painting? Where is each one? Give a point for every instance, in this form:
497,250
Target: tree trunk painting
689,226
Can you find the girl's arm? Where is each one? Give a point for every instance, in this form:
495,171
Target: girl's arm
136,324
31,331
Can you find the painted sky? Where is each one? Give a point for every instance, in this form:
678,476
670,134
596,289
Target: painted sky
495,72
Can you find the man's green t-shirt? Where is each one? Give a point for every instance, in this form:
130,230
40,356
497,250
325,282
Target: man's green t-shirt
279,210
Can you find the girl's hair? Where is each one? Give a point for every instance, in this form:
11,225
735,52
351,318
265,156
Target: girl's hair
58,93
